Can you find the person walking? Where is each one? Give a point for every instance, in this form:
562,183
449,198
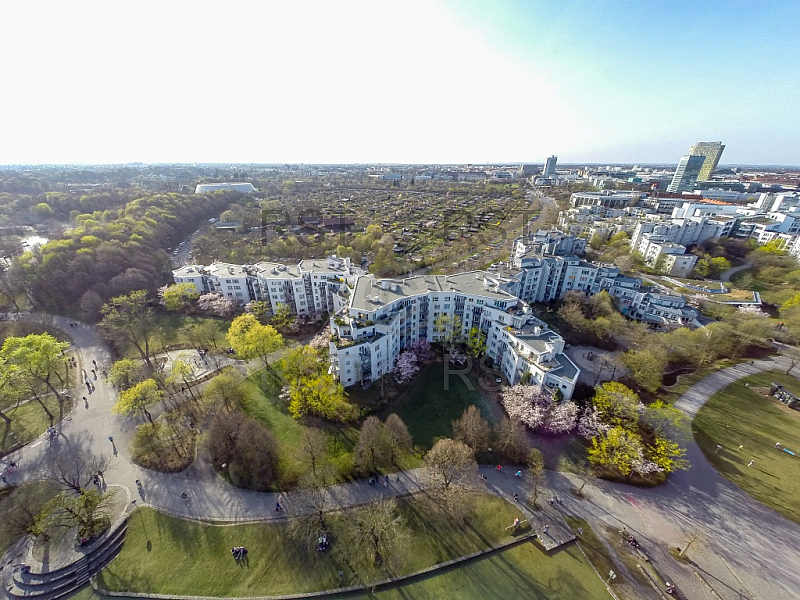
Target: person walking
750,464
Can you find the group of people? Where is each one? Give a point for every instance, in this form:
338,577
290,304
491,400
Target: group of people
239,552
322,543
8,470
51,433
554,500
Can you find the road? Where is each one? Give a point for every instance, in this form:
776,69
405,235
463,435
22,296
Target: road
749,551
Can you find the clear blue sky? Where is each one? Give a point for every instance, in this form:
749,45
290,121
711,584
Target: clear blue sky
411,81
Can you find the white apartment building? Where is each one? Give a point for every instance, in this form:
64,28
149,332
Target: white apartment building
549,241
309,287
606,199
384,317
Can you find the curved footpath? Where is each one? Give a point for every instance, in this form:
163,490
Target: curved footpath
749,551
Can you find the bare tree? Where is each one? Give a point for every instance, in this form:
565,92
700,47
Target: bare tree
510,440
534,476
313,450
73,468
371,446
309,508
693,537
372,540
472,429
398,438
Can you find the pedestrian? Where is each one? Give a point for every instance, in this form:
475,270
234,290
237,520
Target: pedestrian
750,464
111,439
741,446
184,495
777,445
277,507
516,497
546,527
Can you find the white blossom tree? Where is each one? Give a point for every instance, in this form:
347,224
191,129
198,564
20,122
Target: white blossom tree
321,340
591,424
526,403
562,417
405,367
422,349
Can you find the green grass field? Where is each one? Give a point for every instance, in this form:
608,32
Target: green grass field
199,561
29,420
741,415
428,409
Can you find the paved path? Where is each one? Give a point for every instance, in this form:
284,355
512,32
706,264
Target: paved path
750,552
726,276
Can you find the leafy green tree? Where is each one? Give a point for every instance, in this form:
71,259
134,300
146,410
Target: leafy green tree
283,316
130,318
618,404
476,343
225,389
127,372
180,296
300,361
667,455
472,429
664,420
40,357
138,398
181,374
320,395
448,328
260,309
250,339
646,367
618,449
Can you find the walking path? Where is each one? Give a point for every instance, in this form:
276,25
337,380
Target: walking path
750,551
726,276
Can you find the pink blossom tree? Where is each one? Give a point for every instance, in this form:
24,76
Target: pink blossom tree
217,304
525,403
405,367
422,349
320,341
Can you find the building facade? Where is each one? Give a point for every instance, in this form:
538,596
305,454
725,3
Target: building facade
711,153
686,174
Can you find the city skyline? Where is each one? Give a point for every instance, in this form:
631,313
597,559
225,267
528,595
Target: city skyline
418,83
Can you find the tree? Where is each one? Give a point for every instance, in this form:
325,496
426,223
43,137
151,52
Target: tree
665,420
690,541
126,372
179,296
617,404
259,308
371,447
405,367
89,510
562,417
320,395
309,510
74,469
204,334
39,357
250,339
534,476
476,343
138,398
131,319
225,389
450,464
372,539
525,403
216,304
313,450
666,455
300,362
618,449
181,374
583,472
591,423
398,438
472,429
646,367
247,448
283,316
447,328
510,439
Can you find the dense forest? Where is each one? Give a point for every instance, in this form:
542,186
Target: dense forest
108,252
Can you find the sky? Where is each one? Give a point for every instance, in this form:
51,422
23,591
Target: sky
448,81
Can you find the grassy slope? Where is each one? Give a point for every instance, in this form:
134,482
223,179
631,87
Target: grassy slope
739,415
199,558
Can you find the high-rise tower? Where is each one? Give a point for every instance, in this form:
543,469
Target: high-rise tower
686,174
550,167
712,151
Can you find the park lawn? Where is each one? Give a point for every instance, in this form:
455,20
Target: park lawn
171,332
520,572
29,420
430,404
167,555
743,415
